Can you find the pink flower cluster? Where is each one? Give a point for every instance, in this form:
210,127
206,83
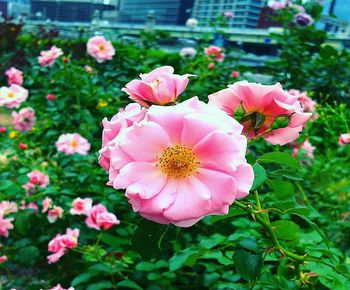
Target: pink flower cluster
100,48
73,143
53,212
12,96
215,52
61,243
97,216
6,208
48,57
36,179
24,119
14,76
344,139
161,86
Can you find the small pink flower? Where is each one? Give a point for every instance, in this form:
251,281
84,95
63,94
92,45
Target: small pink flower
88,69
101,49
24,119
12,96
188,52
303,19
305,148
235,74
159,87
7,207
211,66
72,143
48,57
54,214
133,113
36,179
81,206
180,164
53,258
277,5
308,104
22,146
31,205
344,139
70,239
3,130
47,204
59,287
215,52
14,76
227,14
98,217
266,111
3,259
50,97
5,225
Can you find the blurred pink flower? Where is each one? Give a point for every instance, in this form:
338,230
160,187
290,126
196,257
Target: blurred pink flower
235,74
81,206
72,143
47,204
5,225
36,179
266,111
14,76
24,119
211,66
215,52
23,146
303,19
50,97
48,57
98,217
12,96
101,49
53,258
133,113
227,14
59,287
182,163
188,52
275,5
3,129
344,139
308,104
3,259
30,205
88,69
159,87
305,148
7,207
54,214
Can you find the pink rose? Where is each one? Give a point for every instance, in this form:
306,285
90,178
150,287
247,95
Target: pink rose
24,119
88,68
54,214
98,217
159,87
227,14
47,204
5,225
211,66
48,57
344,139
30,205
81,206
235,74
133,113
59,287
266,111
72,143
7,207
12,96
22,146
14,76
3,259
308,104
188,52
101,49
305,148
3,130
70,239
277,5
36,179
50,97
53,258
182,163
215,52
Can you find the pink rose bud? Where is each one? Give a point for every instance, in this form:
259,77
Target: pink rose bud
235,74
22,146
211,65
3,259
344,139
3,130
66,59
50,97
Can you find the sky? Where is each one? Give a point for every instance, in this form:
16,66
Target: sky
342,8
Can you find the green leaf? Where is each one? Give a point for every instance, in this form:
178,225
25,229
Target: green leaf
283,191
28,256
101,268
129,285
181,257
286,230
100,285
147,238
5,184
250,243
23,222
83,277
212,241
280,158
145,266
248,265
259,176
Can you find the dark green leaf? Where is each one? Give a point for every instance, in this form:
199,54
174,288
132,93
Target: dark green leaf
259,176
248,265
181,257
280,158
286,230
100,285
129,285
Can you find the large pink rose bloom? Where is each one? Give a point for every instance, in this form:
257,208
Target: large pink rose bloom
24,119
124,119
48,57
72,143
159,87
181,163
344,139
36,179
12,96
215,52
100,48
266,111
14,76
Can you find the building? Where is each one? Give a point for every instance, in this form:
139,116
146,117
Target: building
267,18
168,12
14,8
246,12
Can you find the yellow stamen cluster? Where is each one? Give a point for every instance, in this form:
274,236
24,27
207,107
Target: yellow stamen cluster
11,95
178,162
73,143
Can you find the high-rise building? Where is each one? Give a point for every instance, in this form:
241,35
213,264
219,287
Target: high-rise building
246,12
169,12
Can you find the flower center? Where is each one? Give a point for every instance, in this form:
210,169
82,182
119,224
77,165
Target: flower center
102,48
73,143
178,162
11,94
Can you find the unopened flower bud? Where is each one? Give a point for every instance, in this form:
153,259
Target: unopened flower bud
280,122
239,113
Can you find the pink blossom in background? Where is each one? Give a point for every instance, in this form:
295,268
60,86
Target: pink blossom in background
72,143
81,206
36,179
215,52
308,104
22,146
7,207
133,113
70,239
50,97
59,287
55,213
181,163
48,57
55,257
100,48
211,66
235,74
98,217
275,5
344,139
24,119
3,130
227,14
3,259
259,108
14,76
159,87
13,96
303,19
305,148
31,205
189,52
47,204
5,225
88,68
